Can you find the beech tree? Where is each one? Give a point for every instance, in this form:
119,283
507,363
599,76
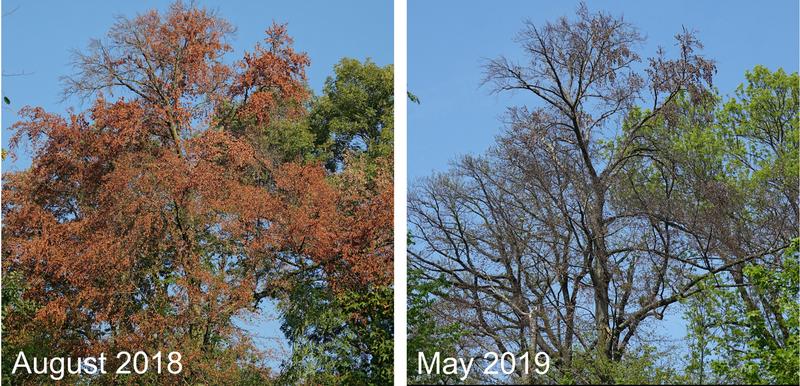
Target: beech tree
180,199
598,208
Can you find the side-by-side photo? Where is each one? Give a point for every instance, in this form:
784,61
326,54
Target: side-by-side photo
392,192
603,193
197,193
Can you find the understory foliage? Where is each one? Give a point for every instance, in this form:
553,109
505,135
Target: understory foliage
427,333
630,191
733,342
192,189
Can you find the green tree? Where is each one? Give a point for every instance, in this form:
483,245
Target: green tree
642,365
338,338
31,341
356,110
735,344
427,334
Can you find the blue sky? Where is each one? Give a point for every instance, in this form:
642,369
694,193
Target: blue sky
37,38
448,40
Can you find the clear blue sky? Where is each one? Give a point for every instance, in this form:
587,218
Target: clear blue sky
38,36
447,40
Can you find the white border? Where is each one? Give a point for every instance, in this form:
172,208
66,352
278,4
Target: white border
400,179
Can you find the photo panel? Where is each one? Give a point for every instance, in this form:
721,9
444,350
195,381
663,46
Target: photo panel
603,193
197,192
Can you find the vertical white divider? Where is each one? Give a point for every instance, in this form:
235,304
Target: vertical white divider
400,189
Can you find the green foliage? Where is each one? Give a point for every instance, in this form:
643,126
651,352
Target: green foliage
292,139
763,117
714,158
33,343
425,333
372,320
738,343
356,110
287,139
643,365
338,338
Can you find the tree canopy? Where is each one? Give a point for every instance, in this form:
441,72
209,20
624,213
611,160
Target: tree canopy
191,189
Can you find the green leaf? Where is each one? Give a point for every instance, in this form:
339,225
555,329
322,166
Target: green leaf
413,97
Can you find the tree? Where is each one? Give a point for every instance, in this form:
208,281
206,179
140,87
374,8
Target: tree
31,341
150,221
596,210
356,110
341,330
735,345
427,334
338,338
